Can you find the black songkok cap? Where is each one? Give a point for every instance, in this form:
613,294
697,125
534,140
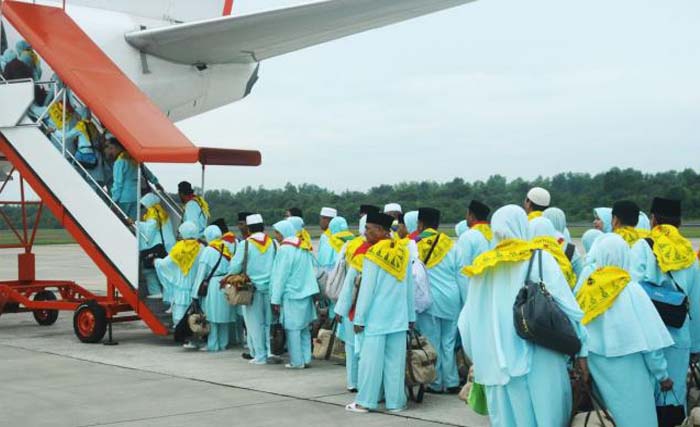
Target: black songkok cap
380,219
295,212
243,215
627,212
221,223
479,209
365,209
185,188
666,207
400,219
429,216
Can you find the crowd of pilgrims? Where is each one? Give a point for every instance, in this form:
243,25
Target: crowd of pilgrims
634,359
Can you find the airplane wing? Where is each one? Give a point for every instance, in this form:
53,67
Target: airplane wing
252,38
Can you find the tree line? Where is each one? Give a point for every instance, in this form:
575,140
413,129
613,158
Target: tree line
576,193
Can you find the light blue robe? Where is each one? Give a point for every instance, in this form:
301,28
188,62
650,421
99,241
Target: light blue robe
326,255
214,304
625,345
258,315
460,228
77,141
346,331
125,181
177,284
439,322
385,308
472,243
644,268
194,214
293,284
526,385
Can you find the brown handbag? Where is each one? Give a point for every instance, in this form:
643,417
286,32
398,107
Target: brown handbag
238,288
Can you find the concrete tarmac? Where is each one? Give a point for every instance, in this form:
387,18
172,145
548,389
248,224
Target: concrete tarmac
47,377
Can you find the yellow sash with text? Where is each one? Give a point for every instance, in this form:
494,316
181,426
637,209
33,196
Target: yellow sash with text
507,251
391,256
600,291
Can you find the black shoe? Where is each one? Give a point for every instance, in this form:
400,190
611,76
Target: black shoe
453,390
433,391
352,390
247,356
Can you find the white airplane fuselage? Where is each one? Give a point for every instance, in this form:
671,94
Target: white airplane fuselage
180,91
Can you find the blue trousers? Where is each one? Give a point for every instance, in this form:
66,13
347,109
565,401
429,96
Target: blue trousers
218,336
299,346
442,334
258,317
128,208
352,355
382,362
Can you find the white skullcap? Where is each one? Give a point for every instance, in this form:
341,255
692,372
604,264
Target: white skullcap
329,212
539,196
392,207
254,219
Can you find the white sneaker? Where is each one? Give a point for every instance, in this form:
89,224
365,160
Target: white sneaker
290,366
397,410
190,346
203,348
156,296
353,407
169,310
258,362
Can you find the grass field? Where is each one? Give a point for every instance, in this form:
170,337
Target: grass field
59,236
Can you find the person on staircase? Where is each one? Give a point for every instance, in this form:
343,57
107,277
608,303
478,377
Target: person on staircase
196,208
156,235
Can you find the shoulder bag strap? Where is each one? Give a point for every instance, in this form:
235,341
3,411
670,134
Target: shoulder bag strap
570,251
204,286
529,266
539,254
432,248
245,258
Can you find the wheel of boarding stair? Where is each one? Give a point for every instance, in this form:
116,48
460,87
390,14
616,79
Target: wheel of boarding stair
45,317
90,322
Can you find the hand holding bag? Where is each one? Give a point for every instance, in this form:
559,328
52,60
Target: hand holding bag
238,288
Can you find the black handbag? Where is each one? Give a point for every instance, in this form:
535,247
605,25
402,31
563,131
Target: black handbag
539,319
182,329
670,415
148,256
278,339
203,289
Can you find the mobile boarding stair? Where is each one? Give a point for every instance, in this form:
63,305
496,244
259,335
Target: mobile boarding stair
88,214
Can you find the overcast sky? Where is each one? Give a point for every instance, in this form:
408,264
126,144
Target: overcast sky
518,88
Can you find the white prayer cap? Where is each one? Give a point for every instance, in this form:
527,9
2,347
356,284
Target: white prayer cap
392,207
254,219
329,212
539,196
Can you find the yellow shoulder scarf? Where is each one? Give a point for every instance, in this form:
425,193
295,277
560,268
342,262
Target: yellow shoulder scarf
642,233
337,240
534,214
600,290
184,253
219,244
304,240
56,114
485,229
350,258
509,250
443,246
673,251
156,212
551,245
88,129
391,256
125,156
262,246
203,205
630,234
